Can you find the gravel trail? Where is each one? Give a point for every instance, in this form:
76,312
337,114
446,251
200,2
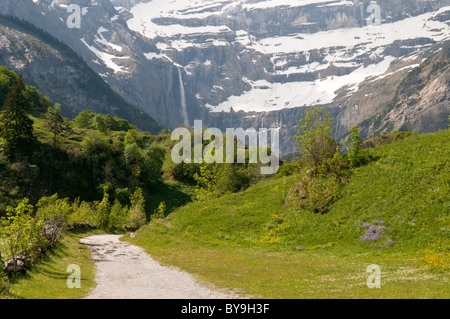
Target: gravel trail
125,271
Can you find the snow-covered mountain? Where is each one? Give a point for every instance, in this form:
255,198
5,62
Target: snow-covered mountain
301,51
248,63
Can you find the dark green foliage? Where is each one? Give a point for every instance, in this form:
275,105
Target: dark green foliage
6,80
103,123
16,127
55,124
185,172
71,162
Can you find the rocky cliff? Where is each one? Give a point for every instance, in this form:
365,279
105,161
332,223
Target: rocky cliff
59,73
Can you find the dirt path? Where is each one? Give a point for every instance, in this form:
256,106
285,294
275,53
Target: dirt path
125,271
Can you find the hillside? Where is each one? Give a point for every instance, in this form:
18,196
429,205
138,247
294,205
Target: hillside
52,67
393,212
81,158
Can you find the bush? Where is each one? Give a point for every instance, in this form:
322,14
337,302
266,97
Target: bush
354,143
103,210
137,216
119,215
160,212
185,172
22,234
54,212
213,181
289,168
83,212
314,193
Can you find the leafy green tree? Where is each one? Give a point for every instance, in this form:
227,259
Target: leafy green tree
145,161
16,127
314,138
213,181
84,212
354,142
98,122
7,77
104,209
83,120
22,233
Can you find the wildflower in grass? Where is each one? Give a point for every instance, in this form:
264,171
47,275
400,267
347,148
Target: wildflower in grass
373,232
436,257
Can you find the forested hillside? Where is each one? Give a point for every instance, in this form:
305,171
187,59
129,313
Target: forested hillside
75,159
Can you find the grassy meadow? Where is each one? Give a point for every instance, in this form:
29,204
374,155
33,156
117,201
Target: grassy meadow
253,243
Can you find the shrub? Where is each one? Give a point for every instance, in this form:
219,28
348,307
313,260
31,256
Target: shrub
314,193
83,212
160,212
54,212
289,168
22,233
118,216
104,209
213,181
137,216
185,172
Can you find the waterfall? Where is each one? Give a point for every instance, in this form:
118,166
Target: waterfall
183,99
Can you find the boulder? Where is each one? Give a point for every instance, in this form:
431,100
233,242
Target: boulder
131,228
21,265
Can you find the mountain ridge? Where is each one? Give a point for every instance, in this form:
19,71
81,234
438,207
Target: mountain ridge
248,63
61,74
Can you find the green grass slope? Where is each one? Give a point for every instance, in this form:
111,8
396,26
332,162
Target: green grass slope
393,212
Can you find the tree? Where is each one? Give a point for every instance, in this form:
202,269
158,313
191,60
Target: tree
314,138
22,233
104,209
16,128
55,124
83,120
213,181
354,142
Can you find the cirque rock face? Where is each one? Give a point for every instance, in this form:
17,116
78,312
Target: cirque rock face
112,50
251,63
